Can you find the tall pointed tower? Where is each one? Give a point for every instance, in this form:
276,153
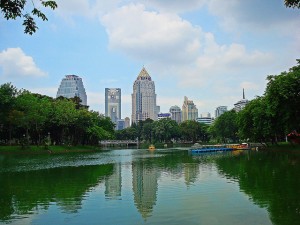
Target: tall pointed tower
241,104
143,98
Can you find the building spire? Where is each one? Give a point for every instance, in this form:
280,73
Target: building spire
243,94
144,75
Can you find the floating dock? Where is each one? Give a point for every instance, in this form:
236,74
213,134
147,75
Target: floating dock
217,149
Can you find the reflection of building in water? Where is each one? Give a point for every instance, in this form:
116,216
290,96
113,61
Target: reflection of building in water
69,205
191,171
144,182
113,183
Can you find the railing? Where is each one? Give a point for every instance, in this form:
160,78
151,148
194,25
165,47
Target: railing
118,142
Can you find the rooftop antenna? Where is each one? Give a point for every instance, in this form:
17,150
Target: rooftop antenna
243,94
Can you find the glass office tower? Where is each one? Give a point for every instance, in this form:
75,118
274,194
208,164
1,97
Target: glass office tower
72,86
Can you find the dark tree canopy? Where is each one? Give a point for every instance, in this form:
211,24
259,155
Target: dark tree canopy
292,3
12,9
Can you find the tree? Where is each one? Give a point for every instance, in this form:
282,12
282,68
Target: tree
283,100
191,130
165,130
292,3
62,118
254,122
8,95
35,110
147,131
225,127
13,9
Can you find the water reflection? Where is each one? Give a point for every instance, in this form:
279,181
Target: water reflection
270,179
136,178
144,186
113,183
24,192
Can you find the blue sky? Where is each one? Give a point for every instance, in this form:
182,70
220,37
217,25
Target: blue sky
207,50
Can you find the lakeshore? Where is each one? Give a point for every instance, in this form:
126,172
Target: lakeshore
60,149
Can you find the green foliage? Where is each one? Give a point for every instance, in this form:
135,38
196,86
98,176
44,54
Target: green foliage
283,99
254,123
8,94
126,134
165,130
225,127
267,118
12,9
35,118
292,3
192,130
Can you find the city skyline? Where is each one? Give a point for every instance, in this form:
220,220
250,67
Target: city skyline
202,49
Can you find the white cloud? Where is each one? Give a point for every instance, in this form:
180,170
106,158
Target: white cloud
227,63
154,34
254,15
99,7
173,46
15,63
175,6
151,36
91,9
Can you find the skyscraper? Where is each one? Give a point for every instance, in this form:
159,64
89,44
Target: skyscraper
220,110
143,98
127,122
113,104
189,110
72,86
175,113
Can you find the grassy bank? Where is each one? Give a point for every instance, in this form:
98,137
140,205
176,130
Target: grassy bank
284,146
46,150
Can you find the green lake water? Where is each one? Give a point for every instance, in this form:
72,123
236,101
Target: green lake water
168,186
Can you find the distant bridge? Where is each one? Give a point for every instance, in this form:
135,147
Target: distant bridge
118,142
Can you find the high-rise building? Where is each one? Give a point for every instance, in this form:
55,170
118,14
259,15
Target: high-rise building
241,104
205,118
72,86
163,116
189,110
143,98
113,104
175,113
127,122
220,110
120,125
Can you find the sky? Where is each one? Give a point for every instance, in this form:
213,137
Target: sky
207,50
